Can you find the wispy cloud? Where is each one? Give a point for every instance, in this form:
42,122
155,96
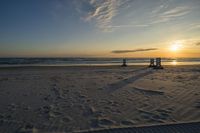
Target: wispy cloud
164,15
128,26
188,42
134,50
107,14
194,26
103,12
198,43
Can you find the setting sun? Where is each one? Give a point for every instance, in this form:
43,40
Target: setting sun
175,46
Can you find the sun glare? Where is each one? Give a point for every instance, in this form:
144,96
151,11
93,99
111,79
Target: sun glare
175,46
174,62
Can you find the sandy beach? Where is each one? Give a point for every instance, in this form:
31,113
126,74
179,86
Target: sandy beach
84,98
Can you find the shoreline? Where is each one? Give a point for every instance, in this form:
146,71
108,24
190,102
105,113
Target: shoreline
86,66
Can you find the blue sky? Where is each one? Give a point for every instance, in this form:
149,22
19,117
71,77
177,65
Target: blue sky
97,27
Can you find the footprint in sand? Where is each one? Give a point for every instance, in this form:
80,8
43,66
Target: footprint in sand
197,105
164,114
3,79
47,97
57,91
27,128
12,107
55,78
98,114
159,115
1,116
147,92
66,119
127,122
106,122
145,114
89,110
47,111
102,122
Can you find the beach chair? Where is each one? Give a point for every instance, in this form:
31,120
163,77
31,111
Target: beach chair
158,64
124,63
152,63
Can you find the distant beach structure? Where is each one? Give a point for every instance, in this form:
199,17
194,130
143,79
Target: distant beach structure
157,65
152,64
124,63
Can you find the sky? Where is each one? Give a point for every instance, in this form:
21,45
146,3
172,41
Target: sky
100,28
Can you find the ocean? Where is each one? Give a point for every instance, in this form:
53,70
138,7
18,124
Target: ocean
91,61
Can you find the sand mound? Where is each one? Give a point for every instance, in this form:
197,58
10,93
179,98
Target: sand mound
148,92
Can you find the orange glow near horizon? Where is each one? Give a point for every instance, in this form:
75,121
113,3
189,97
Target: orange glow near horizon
168,49
176,46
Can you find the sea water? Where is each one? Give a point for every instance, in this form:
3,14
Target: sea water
92,61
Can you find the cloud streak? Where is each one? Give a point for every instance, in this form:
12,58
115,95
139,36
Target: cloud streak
194,26
103,12
107,14
132,51
198,43
161,16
